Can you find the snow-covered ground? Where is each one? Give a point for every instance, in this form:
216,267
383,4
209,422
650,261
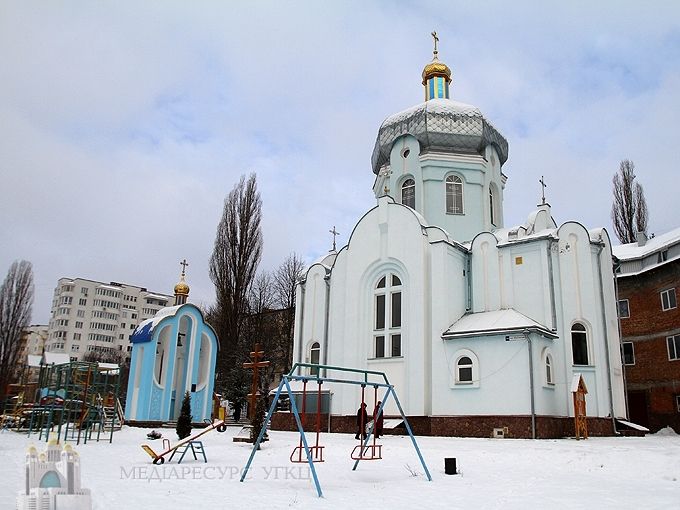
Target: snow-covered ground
601,473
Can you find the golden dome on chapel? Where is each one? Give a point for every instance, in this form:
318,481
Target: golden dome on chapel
436,68
182,288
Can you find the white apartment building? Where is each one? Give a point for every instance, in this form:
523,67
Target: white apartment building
34,340
90,316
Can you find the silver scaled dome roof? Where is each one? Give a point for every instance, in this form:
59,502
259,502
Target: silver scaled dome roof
442,125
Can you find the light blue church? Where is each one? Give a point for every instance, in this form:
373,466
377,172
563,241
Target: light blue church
172,353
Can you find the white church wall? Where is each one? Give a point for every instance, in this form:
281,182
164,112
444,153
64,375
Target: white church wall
581,303
381,243
529,289
436,167
611,317
493,179
551,398
313,309
449,297
403,165
495,377
485,273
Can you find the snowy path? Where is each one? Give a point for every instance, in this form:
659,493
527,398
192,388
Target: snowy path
602,473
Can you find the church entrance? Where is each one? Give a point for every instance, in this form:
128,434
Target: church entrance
179,386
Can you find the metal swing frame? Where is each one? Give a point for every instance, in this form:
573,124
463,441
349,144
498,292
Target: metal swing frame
292,376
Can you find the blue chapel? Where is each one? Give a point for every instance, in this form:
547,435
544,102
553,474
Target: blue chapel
172,353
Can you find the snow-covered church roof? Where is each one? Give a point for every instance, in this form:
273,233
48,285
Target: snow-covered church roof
496,322
144,331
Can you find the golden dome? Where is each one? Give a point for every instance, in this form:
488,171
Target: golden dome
182,288
436,68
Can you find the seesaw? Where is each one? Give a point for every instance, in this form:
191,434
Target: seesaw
158,458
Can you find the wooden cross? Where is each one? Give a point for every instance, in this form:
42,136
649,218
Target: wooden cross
255,364
436,40
543,186
335,233
184,265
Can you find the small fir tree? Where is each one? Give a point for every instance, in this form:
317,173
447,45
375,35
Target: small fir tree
184,420
258,418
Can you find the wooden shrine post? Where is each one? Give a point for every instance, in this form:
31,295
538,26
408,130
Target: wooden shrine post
255,364
579,391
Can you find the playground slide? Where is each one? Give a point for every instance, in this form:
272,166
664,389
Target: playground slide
158,458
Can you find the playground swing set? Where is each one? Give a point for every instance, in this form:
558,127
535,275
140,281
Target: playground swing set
313,454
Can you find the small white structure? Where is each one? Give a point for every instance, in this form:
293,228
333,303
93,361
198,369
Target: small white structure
53,480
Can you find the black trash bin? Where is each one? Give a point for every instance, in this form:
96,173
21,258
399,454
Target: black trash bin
450,465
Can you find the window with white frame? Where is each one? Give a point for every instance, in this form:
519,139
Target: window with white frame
579,344
549,369
408,193
387,341
624,309
628,353
668,301
673,343
454,195
314,357
464,370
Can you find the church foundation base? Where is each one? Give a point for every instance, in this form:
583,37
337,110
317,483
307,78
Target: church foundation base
547,427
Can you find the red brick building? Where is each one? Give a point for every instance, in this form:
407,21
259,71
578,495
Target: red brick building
648,290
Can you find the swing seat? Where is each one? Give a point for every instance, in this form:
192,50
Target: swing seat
368,452
299,454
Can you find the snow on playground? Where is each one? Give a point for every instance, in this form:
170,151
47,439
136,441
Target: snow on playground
620,473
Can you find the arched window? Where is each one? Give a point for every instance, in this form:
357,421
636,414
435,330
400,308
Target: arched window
464,370
454,195
387,324
579,344
464,367
314,357
408,193
493,199
549,375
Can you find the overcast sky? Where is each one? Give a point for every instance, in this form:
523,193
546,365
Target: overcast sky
123,125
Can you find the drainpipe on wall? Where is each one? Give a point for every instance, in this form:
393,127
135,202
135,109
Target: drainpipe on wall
606,339
617,267
527,335
469,281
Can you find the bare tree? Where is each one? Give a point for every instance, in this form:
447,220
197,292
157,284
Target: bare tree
629,210
261,296
233,265
16,301
261,325
286,279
